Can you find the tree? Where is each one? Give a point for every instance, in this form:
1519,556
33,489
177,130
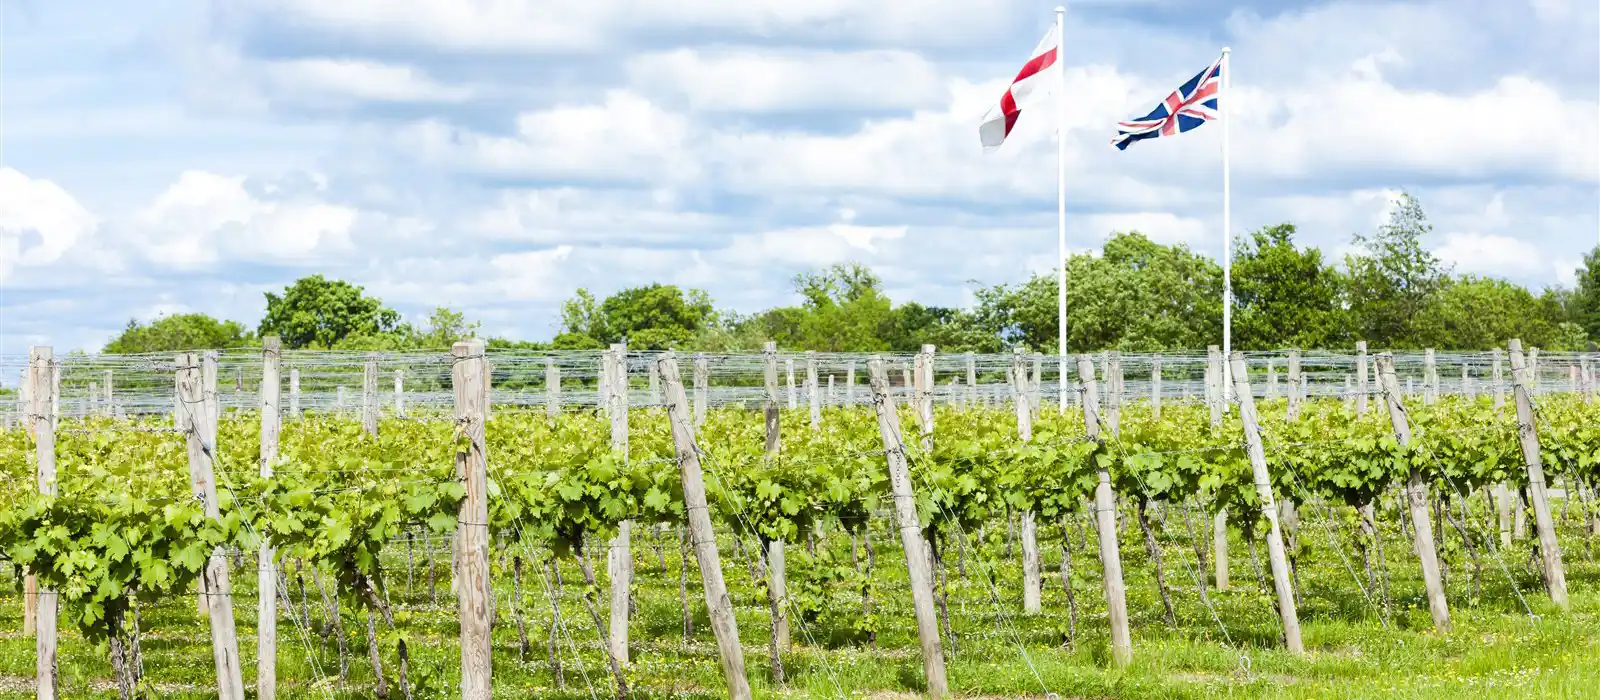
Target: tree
1284,296
652,317
1584,304
316,312
1137,295
845,309
179,332
1480,313
1391,282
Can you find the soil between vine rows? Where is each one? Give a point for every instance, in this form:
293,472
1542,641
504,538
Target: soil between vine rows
1496,649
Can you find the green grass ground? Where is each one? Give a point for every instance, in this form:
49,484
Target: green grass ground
1232,649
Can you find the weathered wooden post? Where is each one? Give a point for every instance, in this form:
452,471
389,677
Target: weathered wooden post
1417,499
369,395
1281,578
702,388
1361,378
1105,508
1555,577
472,528
266,564
1032,576
701,533
400,393
294,392
1219,522
794,397
552,388
971,389
42,387
777,581
812,397
620,554
197,398
905,507
1155,386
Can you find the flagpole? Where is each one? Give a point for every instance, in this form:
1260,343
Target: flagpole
1061,202
1225,105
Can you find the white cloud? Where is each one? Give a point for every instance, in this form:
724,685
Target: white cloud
39,222
343,79
624,138
1363,123
768,80
1491,255
536,26
204,217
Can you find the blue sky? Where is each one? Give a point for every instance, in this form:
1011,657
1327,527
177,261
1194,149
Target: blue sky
492,156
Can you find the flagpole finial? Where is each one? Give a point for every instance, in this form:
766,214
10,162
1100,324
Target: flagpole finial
1226,50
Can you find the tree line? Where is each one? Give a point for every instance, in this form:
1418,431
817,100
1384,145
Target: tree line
1133,295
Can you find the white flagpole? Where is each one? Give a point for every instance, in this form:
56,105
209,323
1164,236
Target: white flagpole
1225,107
1061,201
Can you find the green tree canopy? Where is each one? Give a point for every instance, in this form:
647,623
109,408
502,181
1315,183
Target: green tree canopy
316,312
1393,279
1137,295
652,317
1284,296
180,332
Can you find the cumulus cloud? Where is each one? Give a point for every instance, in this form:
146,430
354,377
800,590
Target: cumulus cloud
762,81
205,217
39,222
623,137
483,26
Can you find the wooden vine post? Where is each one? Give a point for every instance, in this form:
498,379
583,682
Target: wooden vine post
620,553
1296,388
813,397
399,393
198,413
1105,509
42,421
905,510
1282,580
702,389
294,392
970,391
552,388
1416,498
777,579
1219,523
472,526
1555,577
1361,378
1032,578
266,565
1155,386
701,534
369,395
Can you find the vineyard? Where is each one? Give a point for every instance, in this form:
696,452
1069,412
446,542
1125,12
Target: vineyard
582,525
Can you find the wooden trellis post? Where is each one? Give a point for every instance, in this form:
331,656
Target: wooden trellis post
552,388
266,564
1417,500
702,388
42,386
472,528
1281,578
905,506
701,534
620,554
1555,577
197,401
1105,508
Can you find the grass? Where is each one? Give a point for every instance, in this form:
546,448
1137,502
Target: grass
1232,649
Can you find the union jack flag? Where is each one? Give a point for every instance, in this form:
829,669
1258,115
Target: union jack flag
1192,104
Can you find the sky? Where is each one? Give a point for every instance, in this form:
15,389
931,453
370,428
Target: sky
492,156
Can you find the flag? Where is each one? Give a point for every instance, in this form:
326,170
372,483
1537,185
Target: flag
1192,104
1030,81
